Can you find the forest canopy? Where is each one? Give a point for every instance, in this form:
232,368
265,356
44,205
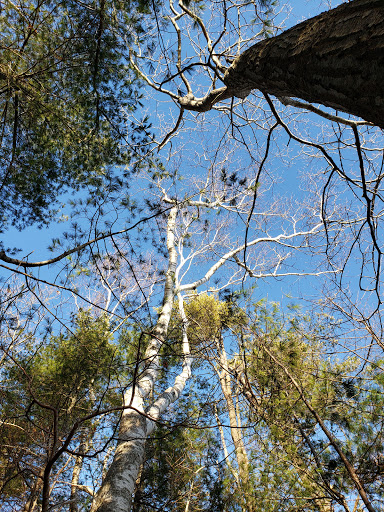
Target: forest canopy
191,257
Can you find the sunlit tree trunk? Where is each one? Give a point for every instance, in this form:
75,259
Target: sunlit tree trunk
336,58
31,504
116,492
236,431
83,448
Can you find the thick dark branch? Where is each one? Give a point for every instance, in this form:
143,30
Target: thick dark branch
189,102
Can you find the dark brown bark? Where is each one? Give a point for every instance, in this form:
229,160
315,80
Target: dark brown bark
336,58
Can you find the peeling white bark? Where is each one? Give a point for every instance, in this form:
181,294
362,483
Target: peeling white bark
173,393
116,491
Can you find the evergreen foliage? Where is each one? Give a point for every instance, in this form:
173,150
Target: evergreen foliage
65,84
50,388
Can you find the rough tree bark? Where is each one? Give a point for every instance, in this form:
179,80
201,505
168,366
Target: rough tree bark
336,58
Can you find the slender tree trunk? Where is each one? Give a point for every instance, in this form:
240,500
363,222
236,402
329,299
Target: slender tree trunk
336,58
83,448
117,489
73,505
31,503
236,433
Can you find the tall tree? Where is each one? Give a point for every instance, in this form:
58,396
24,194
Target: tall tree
336,58
188,238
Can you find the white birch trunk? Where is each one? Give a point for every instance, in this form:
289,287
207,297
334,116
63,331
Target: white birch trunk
116,491
137,422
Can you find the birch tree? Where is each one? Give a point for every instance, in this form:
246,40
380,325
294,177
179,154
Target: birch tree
200,232
229,43
188,241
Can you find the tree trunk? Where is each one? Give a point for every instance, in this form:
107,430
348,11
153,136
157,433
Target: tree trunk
245,488
336,58
31,503
116,491
83,448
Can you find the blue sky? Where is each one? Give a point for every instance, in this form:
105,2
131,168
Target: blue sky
34,242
